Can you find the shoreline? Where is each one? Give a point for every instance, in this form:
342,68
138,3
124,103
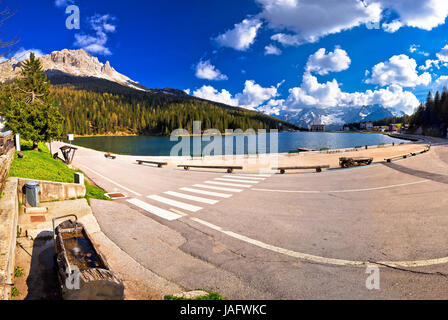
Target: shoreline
266,162
411,139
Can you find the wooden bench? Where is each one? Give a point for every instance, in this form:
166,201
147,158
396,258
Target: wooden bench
159,164
403,156
348,162
317,168
228,168
108,155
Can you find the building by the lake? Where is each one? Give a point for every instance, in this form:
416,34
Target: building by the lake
366,125
317,128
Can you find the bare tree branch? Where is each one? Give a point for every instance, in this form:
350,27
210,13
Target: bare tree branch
7,47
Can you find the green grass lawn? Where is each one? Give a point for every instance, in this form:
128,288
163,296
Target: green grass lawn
39,165
209,296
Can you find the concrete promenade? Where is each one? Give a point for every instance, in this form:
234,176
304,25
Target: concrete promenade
292,236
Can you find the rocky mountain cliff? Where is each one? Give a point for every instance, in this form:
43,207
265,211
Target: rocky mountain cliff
71,63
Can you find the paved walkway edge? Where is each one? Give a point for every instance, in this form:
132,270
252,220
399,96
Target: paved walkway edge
9,210
140,283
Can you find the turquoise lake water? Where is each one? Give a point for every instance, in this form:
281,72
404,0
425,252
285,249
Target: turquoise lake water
287,141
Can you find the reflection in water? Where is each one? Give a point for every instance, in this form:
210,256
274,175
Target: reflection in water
287,141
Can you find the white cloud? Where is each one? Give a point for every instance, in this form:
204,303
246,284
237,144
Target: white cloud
24,54
399,70
212,94
441,82
393,26
205,70
272,50
311,20
322,62
414,48
443,54
252,95
272,107
102,25
286,39
429,64
187,91
63,3
242,36
311,93
420,14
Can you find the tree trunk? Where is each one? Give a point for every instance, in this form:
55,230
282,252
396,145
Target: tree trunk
35,146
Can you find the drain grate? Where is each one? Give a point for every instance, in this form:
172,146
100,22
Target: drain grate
116,195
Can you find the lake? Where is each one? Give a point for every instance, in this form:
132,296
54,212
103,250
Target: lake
287,141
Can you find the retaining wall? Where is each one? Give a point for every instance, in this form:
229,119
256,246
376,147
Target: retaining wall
51,191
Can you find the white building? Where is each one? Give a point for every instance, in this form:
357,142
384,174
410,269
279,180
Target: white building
366,125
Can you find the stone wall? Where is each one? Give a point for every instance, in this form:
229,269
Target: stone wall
5,165
9,209
51,191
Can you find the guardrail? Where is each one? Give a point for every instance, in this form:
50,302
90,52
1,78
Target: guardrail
228,168
317,168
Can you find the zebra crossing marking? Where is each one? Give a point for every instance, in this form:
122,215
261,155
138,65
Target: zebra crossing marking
209,193
236,180
238,177
190,197
217,188
174,203
165,214
228,184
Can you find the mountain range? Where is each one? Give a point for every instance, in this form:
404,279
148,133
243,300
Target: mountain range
77,68
335,117
95,99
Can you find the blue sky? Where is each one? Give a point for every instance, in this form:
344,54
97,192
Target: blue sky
270,55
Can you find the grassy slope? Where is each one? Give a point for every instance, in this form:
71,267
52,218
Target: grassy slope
39,165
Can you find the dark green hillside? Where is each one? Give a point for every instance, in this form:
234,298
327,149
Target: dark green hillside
91,111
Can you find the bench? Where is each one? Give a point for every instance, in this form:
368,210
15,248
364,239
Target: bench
228,168
108,155
159,164
317,168
348,162
403,156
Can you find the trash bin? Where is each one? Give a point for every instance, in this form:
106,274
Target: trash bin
79,178
32,193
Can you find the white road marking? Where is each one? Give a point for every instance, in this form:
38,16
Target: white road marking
229,184
237,180
246,177
175,203
318,259
218,188
178,212
111,181
254,175
165,214
345,191
208,193
192,198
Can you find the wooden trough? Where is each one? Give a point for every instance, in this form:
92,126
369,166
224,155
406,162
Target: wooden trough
83,272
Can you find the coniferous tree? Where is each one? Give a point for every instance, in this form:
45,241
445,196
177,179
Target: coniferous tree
31,111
